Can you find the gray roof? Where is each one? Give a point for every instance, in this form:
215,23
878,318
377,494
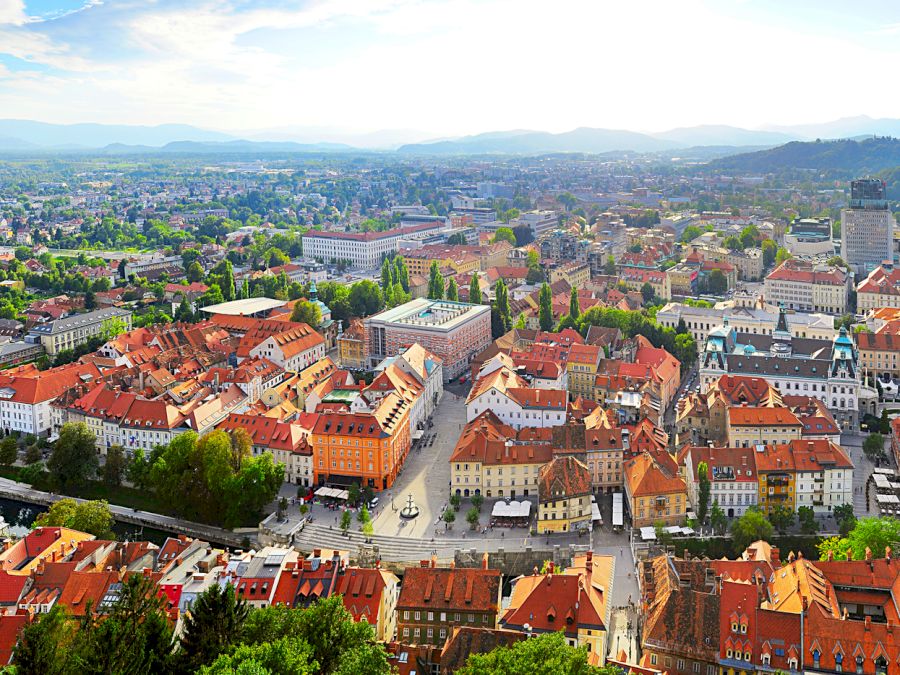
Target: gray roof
79,320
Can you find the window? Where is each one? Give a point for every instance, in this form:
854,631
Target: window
680,664
653,659
816,656
859,664
406,632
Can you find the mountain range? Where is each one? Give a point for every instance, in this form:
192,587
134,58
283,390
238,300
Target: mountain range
32,136
866,156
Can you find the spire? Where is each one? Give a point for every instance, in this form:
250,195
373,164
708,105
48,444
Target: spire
782,326
313,292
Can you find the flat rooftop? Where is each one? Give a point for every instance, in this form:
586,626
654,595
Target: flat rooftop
425,313
247,307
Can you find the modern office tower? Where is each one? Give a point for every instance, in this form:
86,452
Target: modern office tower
867,226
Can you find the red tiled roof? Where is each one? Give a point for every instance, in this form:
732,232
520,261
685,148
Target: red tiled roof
463,589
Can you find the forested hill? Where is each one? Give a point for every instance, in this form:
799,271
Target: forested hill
866,156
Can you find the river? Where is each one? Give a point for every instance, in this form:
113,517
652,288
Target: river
20,515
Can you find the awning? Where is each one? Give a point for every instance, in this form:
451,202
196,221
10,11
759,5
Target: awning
332,493
512,510
887,499
648,533
617,516
595,513
417,434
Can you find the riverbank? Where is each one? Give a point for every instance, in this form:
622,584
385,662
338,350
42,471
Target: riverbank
21,492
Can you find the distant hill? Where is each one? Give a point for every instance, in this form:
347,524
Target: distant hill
227,147
861,157
583,139
845,127
721,135
42,134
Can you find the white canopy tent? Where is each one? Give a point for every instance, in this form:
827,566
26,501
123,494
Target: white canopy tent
332,493
512,510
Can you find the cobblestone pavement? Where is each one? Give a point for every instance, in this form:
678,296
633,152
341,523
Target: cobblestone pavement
426,476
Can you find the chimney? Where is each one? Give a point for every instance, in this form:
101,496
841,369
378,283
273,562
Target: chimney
423,563
433,561
868,623
830,556
776,557
849,554
887,554
484,561
317,553
868,554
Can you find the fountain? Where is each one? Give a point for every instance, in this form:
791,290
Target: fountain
409,511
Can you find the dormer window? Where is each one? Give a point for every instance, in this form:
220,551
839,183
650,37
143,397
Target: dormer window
816,655
744,628
792,664
859,663
766,659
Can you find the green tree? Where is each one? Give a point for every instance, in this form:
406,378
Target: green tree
435,282
93,517
194,272
502,308
807,518
228,282
472,517
732,243
717,518
213,296
338,644
213,624
184,312
455,501
568,200
781,517
717,282
545,308
387,276
750,527
845,518
9,451
876,534
690,233
43,644
74,457
749,236
705,489
769,251
363,515
449,517
544,654
647,293
574,305
477,500
138,470
346,519
457,239
32,454
505,234
365,298
282,656
475,290
609,268
873,446
115,465
782,255
452,290
307,312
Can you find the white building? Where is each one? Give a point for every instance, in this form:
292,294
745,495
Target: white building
510,398
362,249
732,474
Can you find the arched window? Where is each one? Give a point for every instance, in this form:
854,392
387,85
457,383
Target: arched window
816,656
881,665
838,662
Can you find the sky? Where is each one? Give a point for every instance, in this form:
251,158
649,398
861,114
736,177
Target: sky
446,68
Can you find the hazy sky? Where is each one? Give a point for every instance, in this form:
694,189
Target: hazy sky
448,67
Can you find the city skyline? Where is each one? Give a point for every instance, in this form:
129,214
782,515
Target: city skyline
289,69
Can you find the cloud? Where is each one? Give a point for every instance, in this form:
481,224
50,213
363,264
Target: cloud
455,66
12,12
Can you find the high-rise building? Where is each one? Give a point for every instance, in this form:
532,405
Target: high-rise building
867,226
